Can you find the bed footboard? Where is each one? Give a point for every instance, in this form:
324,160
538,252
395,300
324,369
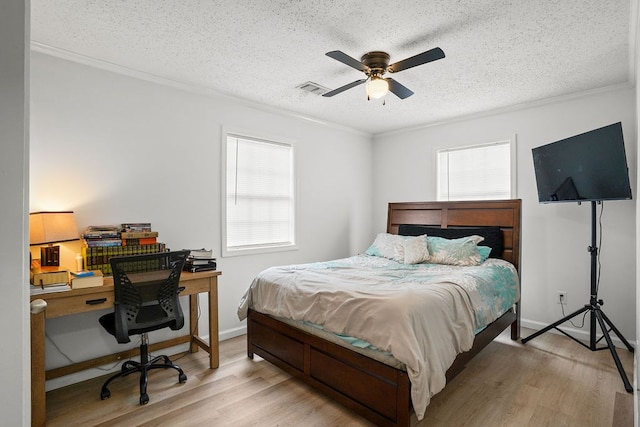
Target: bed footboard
484,338
377,392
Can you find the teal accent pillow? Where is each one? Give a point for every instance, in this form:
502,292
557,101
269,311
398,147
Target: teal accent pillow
484,253
492,235
462,252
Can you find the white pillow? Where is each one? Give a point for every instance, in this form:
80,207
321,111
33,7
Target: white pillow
463,251
387,246
415,249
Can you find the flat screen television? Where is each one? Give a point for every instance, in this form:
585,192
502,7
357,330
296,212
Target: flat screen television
591,166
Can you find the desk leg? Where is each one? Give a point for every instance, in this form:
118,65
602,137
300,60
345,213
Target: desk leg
38,393
214,349
193,321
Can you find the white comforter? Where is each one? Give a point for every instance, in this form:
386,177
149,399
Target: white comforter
423,316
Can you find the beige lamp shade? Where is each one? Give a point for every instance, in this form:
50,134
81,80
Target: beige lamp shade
52,227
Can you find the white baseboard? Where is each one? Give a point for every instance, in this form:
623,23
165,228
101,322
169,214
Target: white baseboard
232,333
95,372
531,324
579,334
582,335
228,334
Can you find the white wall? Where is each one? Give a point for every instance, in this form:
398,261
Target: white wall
115,149
554,237
636,77
15,369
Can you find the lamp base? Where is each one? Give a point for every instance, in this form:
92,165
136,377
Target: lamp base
50,256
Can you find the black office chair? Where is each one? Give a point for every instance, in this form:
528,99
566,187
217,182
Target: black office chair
146,299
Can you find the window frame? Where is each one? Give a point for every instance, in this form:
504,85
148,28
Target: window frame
266,248
511,141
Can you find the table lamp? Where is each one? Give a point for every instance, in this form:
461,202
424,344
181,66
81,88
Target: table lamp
47,228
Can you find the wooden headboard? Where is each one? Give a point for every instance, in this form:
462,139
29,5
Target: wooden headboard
501,213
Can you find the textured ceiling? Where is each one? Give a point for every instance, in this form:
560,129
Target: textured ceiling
498,53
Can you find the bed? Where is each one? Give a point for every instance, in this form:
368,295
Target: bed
359,378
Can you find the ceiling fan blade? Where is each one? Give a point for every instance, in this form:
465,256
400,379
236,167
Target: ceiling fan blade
343,88
346,59
419,59
398,89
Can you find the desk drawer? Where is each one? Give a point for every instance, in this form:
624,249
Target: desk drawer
73,304
198,285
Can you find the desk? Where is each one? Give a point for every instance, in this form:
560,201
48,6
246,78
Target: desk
99,298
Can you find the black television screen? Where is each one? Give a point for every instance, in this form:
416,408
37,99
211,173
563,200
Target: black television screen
591,166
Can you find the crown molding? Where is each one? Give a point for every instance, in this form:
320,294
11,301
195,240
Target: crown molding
511,108
164,81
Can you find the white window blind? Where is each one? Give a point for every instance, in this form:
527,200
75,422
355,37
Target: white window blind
259,194
481,172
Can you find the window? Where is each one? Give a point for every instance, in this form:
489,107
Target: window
480,172
259,196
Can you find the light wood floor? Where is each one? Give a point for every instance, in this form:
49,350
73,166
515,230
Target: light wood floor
552,381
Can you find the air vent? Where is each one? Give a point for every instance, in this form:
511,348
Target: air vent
312,87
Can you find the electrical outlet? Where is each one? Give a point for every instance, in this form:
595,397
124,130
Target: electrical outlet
562,297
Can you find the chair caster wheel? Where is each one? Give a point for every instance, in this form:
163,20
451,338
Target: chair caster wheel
105,394
144,399
182,378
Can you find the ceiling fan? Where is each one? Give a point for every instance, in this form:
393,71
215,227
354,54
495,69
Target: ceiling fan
375,64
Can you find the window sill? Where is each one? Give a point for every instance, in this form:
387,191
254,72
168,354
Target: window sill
258,250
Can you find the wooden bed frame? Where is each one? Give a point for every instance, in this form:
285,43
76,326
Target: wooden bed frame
372,389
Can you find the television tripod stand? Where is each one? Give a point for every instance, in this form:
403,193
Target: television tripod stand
596,313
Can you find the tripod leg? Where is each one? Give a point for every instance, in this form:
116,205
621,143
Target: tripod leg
614,329
614,354
553,325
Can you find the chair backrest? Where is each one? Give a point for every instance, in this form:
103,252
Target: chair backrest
146,292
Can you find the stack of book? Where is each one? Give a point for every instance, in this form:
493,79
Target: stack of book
86,279
138,233
200,260
101,236
44,280
103,242
98,258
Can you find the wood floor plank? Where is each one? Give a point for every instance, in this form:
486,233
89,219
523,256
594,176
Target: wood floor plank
623,410
550,381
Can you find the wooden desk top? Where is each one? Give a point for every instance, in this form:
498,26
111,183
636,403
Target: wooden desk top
101,297
108,286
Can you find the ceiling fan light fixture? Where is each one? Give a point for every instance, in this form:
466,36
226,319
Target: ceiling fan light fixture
377,87
374,65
